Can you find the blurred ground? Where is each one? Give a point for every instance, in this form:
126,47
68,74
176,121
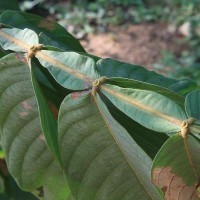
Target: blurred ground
160,35
138,44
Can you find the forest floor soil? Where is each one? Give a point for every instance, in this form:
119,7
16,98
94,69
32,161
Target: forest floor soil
141,44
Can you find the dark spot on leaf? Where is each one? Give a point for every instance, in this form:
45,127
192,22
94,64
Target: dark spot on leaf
46,24
86,85
53,109
74,95
26,105
164,189
41,136
23,114
20,57
173,186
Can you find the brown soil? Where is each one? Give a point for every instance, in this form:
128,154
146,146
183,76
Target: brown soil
138,44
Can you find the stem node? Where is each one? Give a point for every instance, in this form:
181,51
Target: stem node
186,126
33,50
97,83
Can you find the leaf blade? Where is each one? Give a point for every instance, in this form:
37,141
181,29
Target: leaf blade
174,173
150,141
71,70
18,116
127,83
114,68
47,118
88,141
51,32
141,106
23,142
192,104
55,183
17,40
9,5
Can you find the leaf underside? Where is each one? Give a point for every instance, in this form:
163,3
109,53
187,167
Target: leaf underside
23,142
112,165
149,108
176,168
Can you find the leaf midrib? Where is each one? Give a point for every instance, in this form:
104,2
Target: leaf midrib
188,153
102,87
137,104
47,58
111,133
14,40
63,67
148,109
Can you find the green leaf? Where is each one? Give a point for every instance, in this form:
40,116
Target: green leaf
2,190
48,120
56,185
53,48
22,137
95,58
50,33
192,105
1,152
70,197
150,141
9,5
127,83
52,89
17,40
2,52
176,168
152,110
71,70
113,68
112,165
183,87
23,142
